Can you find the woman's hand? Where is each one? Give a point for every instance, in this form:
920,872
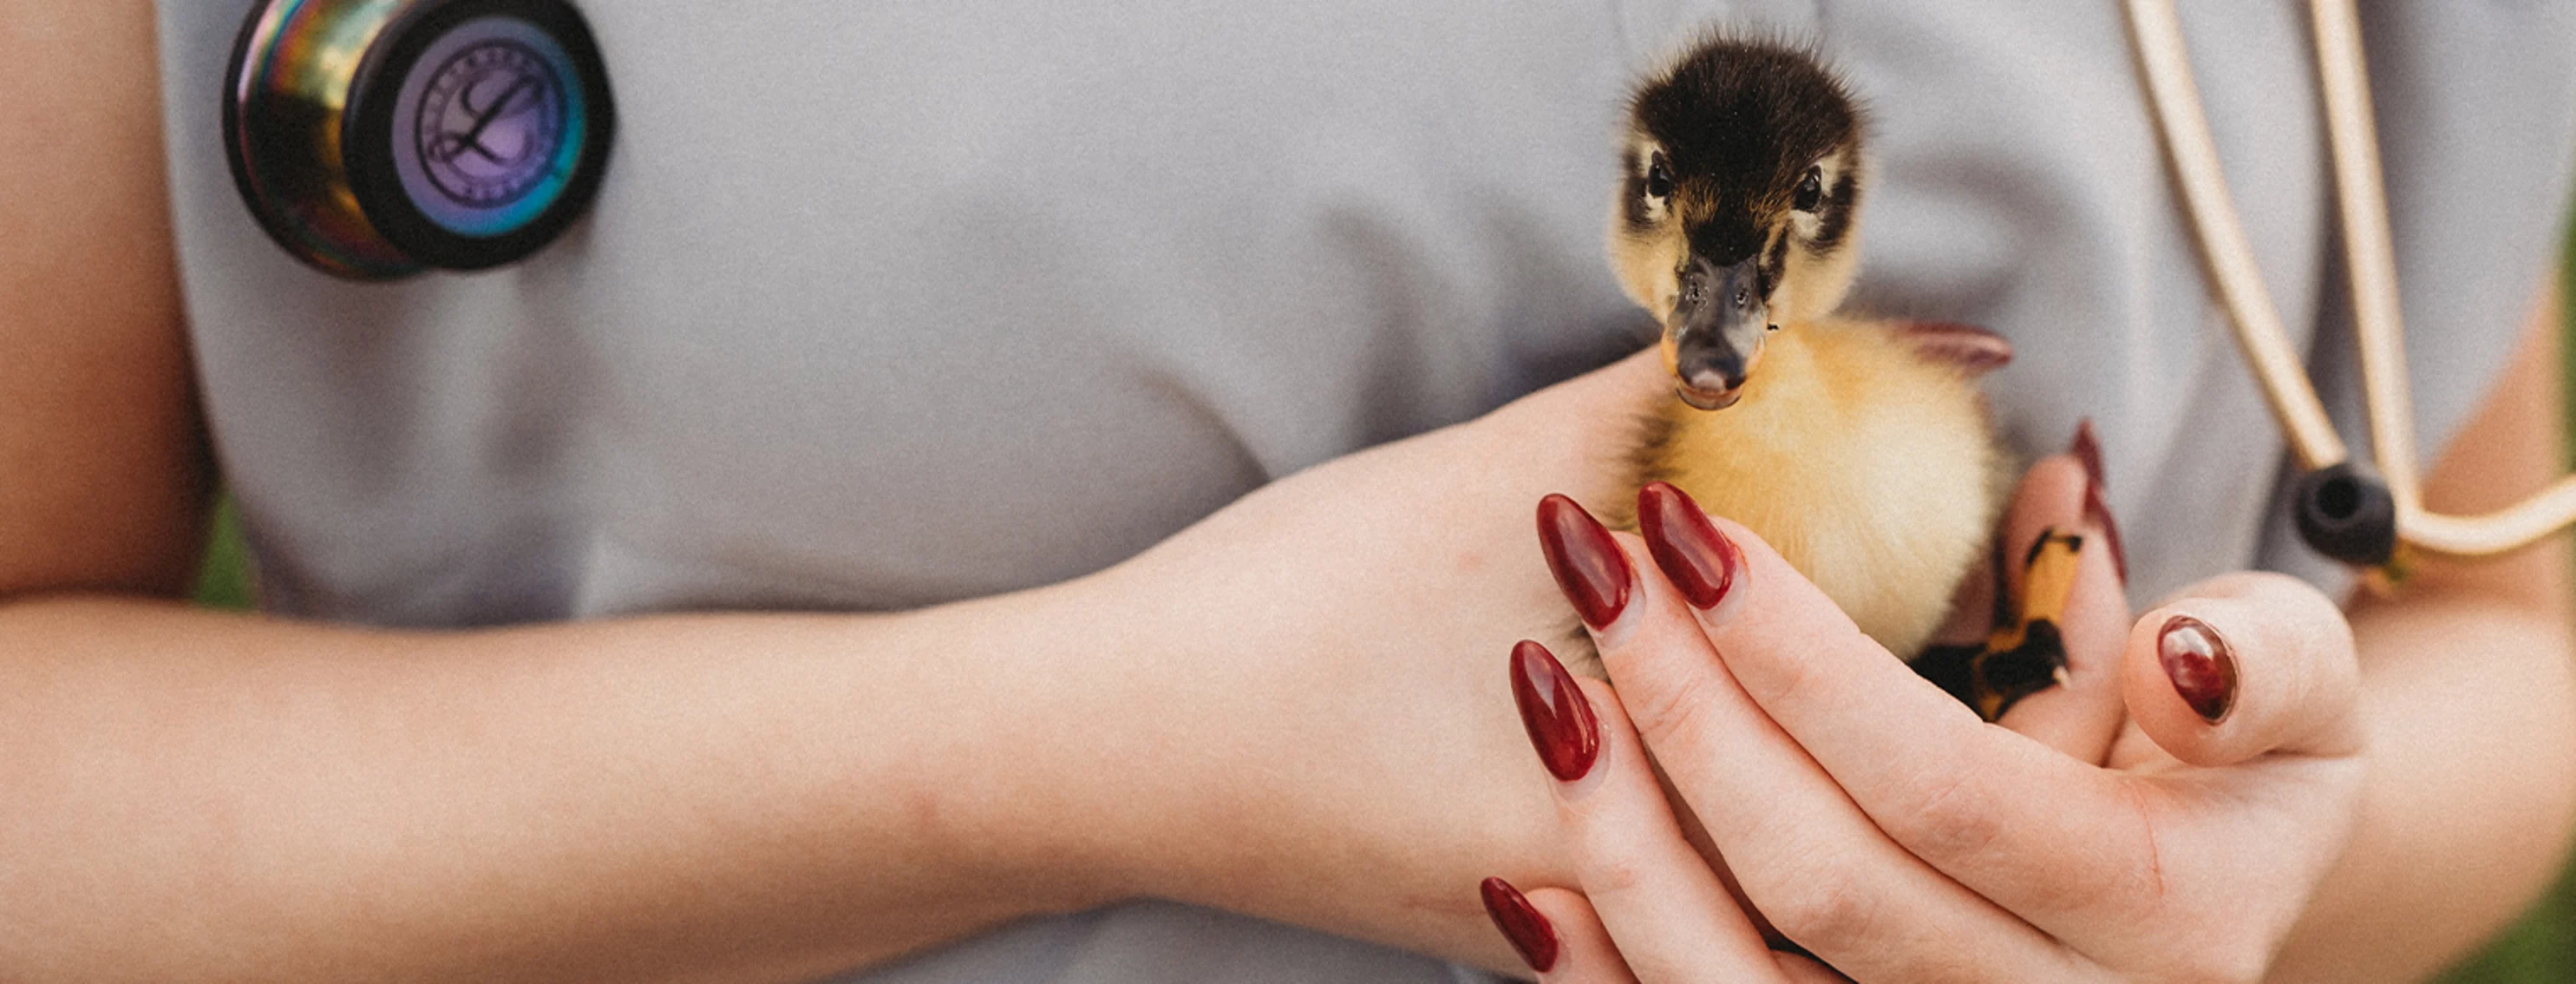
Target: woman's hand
1306,723
1881,826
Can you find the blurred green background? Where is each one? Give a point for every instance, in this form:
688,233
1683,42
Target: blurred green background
2541,949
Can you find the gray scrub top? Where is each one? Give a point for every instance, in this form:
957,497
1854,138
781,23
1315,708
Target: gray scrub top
889,304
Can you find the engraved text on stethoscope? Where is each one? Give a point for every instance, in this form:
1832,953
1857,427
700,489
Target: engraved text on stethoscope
447,146
490,124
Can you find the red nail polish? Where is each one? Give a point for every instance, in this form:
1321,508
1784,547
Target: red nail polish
1560,721
2201,667
2088,451
1527,930
1973,350
1589,566
1697,558
2098,513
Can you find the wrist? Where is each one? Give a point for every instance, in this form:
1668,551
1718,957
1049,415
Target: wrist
1062,796
1263,762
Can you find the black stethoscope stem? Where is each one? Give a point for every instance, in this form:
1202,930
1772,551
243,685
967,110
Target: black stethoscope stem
2345,511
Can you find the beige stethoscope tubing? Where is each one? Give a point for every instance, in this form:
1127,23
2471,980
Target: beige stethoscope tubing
2363,211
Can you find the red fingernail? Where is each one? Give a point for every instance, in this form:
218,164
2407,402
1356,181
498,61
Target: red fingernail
2097,511
1974,350
2087,450
1521,924
1694,555
1589,566
2202,669
1560,721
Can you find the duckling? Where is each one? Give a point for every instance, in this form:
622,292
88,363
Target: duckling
1860,449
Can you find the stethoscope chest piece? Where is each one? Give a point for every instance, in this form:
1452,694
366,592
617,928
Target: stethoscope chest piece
375,139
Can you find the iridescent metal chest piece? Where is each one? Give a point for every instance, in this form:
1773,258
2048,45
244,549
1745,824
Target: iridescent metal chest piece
375,139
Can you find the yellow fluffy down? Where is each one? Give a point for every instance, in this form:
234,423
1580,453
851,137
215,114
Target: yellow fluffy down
1870,468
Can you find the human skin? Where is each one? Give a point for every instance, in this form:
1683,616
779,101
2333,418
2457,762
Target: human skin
2470,704
1885,828
1889,833
747,796
1291,709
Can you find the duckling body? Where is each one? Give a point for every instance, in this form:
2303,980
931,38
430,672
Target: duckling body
1863,455
1861,450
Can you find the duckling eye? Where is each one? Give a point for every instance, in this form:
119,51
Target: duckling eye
1811,191
1659,179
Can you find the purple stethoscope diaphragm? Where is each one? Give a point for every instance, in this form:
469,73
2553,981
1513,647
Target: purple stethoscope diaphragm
375,139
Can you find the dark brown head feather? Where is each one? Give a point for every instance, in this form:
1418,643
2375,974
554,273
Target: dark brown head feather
1740,121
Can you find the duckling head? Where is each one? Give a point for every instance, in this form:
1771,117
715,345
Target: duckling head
1738,205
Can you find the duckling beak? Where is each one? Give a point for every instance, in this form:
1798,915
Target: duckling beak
1714,339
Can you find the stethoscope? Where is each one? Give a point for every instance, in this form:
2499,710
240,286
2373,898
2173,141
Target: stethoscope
375,139
2344,508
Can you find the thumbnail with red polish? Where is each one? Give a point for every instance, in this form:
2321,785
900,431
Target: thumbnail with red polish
1697,558
2201,667
1589,566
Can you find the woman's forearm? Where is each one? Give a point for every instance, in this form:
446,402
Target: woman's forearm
2471,704
2471,794
1294,710
205,796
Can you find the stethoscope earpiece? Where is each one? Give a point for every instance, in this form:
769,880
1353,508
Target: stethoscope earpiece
378,138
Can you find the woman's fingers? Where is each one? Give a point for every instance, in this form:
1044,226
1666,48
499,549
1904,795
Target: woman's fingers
2079,593
1675,920
1672,918
1822,872
1585,954
1583,951
2242,666
1805,970
2252,678
2056,841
